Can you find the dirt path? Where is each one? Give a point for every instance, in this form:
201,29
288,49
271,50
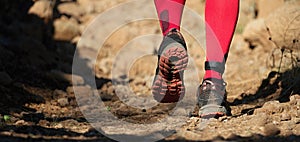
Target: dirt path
42,101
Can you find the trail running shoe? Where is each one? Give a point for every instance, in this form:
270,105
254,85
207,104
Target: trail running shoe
212,99
168,85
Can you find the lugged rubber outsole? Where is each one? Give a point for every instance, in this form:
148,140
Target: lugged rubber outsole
168,85
212,111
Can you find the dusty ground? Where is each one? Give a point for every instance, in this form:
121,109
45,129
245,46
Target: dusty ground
38,102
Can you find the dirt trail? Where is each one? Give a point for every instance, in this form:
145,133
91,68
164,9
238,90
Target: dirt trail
40,98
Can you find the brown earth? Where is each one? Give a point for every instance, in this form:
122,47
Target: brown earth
37,44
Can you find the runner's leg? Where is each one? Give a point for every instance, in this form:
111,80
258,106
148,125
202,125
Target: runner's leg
221,18
169,13
168,85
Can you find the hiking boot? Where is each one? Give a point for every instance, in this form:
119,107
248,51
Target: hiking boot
168,85
212,99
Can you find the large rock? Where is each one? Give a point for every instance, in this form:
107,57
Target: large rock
43,9
65,29
280,30
284,25
284,29
281,27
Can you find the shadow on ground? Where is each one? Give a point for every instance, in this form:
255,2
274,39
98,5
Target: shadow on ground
28,53
277,86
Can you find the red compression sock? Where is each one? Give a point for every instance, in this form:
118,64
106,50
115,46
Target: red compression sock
169,14
221,17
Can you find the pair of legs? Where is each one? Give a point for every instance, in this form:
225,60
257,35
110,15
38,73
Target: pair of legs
220,17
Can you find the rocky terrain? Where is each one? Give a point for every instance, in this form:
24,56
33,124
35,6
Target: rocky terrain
41,100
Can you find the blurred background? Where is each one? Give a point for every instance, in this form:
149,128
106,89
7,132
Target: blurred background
38,39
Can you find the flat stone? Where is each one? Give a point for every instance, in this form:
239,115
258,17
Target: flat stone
270,130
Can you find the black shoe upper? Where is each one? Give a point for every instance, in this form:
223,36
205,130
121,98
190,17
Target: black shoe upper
174,36
213,92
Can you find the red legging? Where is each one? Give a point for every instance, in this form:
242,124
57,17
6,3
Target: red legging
169,14
220,16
